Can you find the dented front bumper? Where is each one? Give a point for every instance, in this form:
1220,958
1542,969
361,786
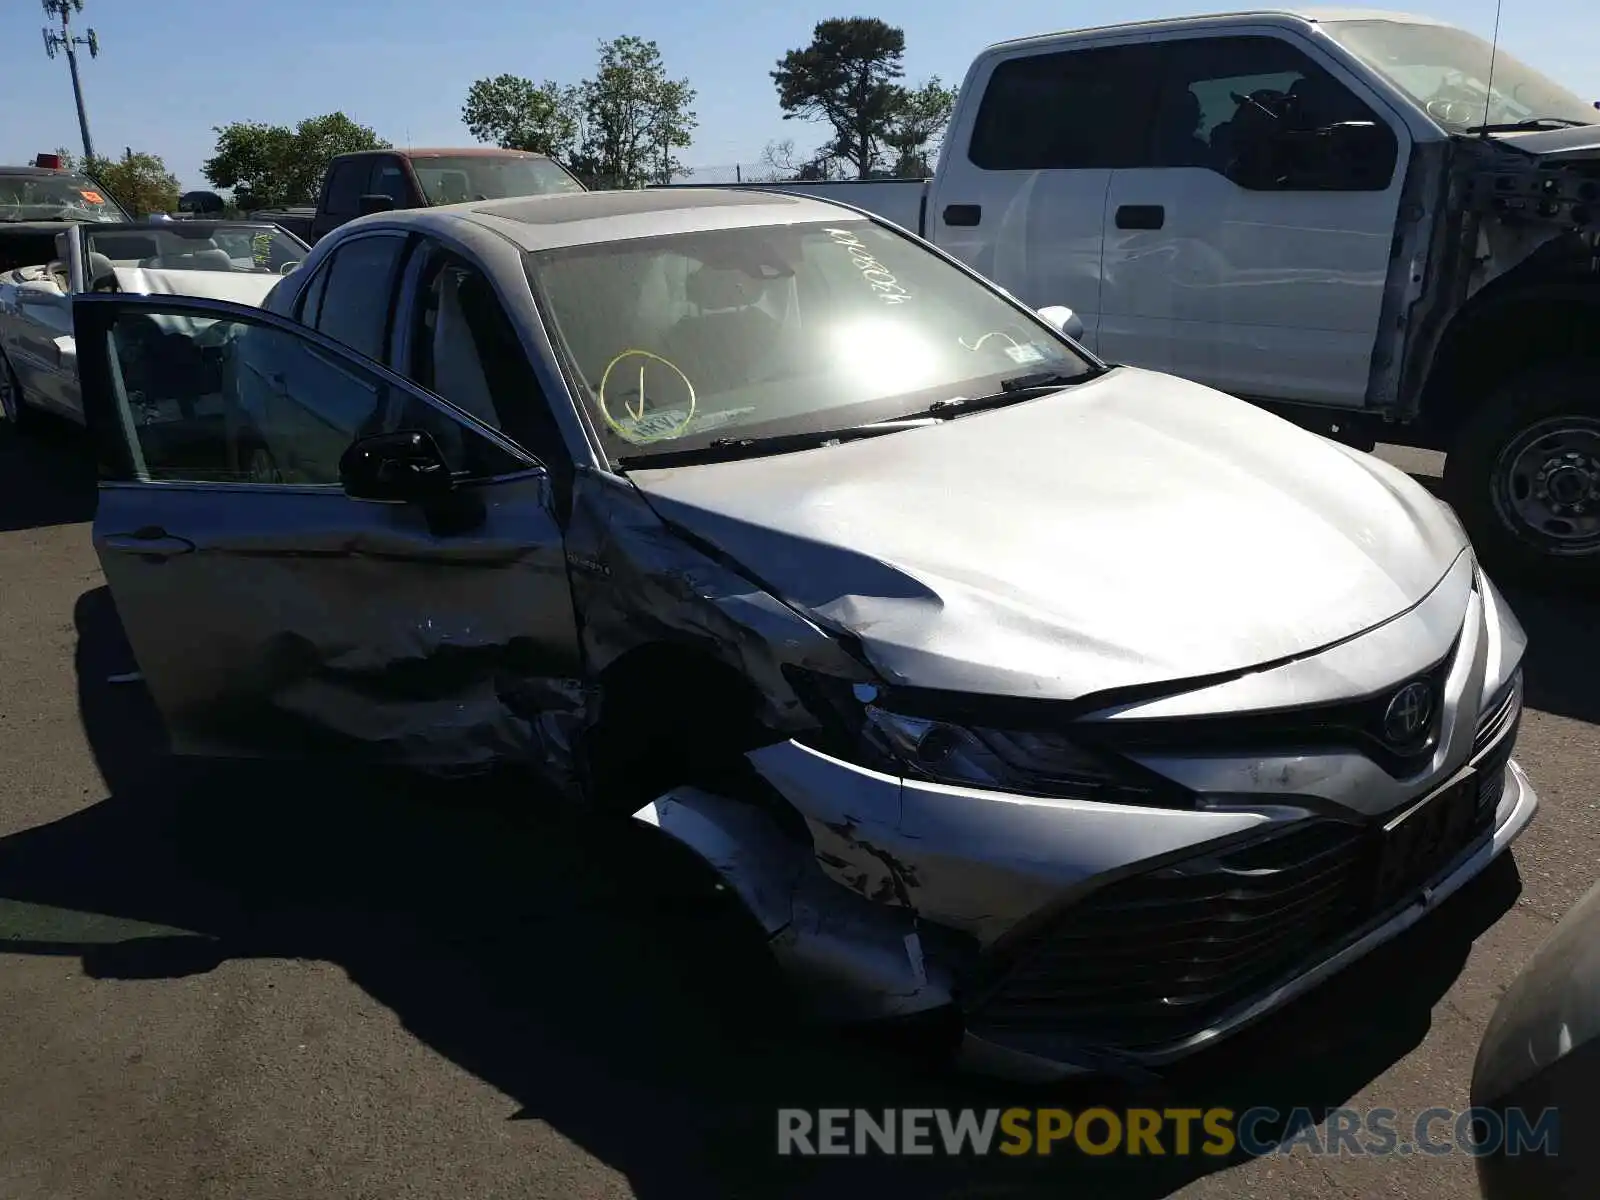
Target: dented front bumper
913,897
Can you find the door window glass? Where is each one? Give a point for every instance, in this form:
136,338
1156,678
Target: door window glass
359,296
1078,109
389,179
1263,113
209,400
466,349
344,188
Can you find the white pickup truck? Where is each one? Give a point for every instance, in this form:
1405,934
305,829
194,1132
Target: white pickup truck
1331,213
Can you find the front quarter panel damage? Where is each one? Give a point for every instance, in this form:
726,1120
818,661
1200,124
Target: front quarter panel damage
638,583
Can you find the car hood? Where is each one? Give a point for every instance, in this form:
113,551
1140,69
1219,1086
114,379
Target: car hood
1133,529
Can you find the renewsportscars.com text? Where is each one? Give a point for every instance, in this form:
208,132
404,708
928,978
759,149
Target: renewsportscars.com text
1158,1132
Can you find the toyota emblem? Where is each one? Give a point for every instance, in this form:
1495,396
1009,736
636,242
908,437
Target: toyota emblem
1409,714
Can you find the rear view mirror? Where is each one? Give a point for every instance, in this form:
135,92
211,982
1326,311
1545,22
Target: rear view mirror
1063,320
376,203
395,468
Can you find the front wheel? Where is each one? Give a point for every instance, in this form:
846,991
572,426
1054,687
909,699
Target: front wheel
1524,476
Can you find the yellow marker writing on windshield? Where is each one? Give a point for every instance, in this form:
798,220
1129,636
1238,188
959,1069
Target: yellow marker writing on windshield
637,410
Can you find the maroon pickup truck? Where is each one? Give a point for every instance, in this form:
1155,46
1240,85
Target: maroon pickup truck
381,180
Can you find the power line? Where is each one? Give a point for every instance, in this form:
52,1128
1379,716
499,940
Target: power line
63,39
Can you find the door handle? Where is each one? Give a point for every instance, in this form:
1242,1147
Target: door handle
1141,216
151,543
963,214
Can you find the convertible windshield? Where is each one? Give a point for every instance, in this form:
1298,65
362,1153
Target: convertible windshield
54,197
254,249
489,177
767,331
1446,70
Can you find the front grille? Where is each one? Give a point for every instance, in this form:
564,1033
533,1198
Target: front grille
1151,960
1156,957
1357,724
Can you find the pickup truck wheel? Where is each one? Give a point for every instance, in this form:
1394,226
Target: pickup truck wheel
1524,476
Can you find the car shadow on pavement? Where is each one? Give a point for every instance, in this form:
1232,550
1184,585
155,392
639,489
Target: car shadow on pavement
49,475
582,969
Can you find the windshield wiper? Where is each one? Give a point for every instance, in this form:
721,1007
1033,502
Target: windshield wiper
1018,387
1528,123
726,449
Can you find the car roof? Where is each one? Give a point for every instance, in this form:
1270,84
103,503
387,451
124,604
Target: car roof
446,152
1303,16
582,218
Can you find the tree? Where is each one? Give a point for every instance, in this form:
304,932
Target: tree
633,117
271,166
518,114
619,129
139,182
846,78
918,125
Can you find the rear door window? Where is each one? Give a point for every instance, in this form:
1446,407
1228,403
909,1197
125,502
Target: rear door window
1069,110
357,300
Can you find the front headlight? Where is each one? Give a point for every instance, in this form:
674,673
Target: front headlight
859,726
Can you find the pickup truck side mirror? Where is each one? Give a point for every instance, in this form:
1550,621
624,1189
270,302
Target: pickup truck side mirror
1346,155
376,203
1063,320
395,468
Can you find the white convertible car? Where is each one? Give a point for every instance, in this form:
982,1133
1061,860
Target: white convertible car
239,261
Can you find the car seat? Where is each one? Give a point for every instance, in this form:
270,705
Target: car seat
728,341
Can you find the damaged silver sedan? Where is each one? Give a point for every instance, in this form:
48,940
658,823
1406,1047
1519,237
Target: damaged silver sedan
1094,707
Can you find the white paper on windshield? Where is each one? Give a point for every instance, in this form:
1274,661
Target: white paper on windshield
1025,354
675,423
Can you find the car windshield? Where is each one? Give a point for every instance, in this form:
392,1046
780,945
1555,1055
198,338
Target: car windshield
57,196
1446,70
252,249
489,177
769,331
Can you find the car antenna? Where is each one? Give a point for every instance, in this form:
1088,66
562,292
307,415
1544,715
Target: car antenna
1494,52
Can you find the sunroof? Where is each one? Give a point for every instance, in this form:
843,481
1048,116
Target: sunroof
591,206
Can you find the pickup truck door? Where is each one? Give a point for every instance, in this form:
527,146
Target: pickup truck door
1238,255
1020,193
271,612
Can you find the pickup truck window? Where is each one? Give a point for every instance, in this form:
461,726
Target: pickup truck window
389,179
345,185
1445,70
1255,109
455,180
1071,110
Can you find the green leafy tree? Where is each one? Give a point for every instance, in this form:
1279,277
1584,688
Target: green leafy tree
633,117
846,77
270,166
518,114
139,182
918,126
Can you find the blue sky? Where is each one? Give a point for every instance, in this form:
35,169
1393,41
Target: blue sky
169,70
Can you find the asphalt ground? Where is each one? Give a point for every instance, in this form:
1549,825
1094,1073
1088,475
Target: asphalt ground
258,982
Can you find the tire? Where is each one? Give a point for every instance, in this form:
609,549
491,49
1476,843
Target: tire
1523,474
16,413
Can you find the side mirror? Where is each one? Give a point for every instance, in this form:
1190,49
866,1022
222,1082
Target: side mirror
288,266
395,468
1063,320
375,203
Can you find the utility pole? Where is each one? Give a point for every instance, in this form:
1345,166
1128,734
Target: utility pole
64,40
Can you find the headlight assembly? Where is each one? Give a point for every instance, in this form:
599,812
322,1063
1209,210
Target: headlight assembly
861,726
